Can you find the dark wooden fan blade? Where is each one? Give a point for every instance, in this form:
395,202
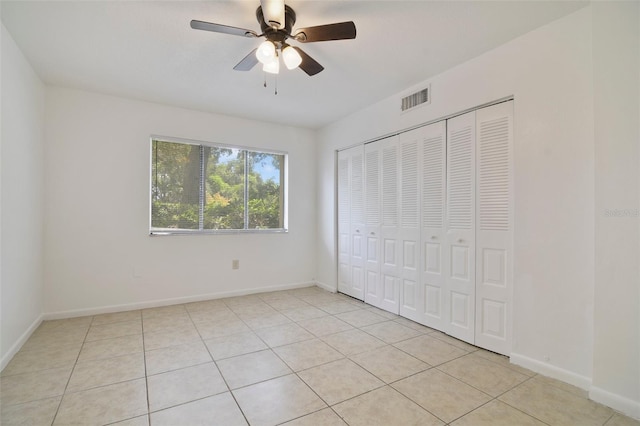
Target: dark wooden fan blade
248,62
225,29
339,31
308,64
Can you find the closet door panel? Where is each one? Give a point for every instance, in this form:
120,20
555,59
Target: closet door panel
459,258
344,224
494,218
389,270
357,222
350,216
435,310
409,280
373,293
390,265
383,254
409,231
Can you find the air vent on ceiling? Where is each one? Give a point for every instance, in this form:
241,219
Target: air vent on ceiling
415,99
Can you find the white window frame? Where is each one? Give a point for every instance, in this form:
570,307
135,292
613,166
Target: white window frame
154,231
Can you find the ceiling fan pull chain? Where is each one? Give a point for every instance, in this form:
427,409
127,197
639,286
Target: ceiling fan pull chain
276,90
265,79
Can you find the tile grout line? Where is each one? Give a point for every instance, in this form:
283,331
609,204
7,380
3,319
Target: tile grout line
72,370
293,372
609,419
217,367
348,357
344,356
387,344
99,359
305,383
418,404
146,376
432,365
429,367
516,408
493,398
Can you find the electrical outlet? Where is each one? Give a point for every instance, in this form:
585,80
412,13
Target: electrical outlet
235,264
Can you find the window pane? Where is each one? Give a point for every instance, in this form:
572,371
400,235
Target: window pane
265,190
175,177
207,188
224,184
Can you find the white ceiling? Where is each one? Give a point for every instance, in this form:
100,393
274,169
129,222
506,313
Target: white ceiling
146,50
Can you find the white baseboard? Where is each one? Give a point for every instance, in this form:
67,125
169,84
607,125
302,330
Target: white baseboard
172,301
625,405
552,371
620,403
6,358
327,287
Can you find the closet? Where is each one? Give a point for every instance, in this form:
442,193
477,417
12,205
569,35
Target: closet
425,225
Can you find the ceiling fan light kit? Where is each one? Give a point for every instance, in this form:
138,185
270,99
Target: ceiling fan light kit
276,22
291,57
266,52
272,67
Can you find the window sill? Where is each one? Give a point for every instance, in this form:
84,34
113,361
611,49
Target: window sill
168,232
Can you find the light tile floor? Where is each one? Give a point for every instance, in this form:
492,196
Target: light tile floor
298,357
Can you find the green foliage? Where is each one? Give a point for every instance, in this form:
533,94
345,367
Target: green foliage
174,215
176,192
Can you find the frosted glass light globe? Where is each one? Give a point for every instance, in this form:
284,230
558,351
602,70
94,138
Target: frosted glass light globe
272,67
291,57
266,52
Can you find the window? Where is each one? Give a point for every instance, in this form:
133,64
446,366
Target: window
198,188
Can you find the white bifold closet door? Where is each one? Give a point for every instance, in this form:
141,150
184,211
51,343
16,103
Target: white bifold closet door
479,227
433,190
422,198
351,250
459,253
382,287
425,225
494,227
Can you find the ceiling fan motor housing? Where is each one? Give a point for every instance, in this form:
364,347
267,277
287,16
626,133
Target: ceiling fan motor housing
275,35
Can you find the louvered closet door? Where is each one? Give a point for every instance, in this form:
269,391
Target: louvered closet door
344,223
409,228
372,184
435,310
389,283
350,208
459,257
357,229
494,236
381,220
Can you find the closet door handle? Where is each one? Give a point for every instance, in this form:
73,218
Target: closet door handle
372,233
433,237
460,240
357,231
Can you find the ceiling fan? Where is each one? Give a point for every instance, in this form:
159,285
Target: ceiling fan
276,23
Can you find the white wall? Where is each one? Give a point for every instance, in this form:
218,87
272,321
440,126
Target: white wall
550,72
99,255
21,189
616,51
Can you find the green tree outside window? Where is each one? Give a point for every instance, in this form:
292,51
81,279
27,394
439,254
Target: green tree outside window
208,188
